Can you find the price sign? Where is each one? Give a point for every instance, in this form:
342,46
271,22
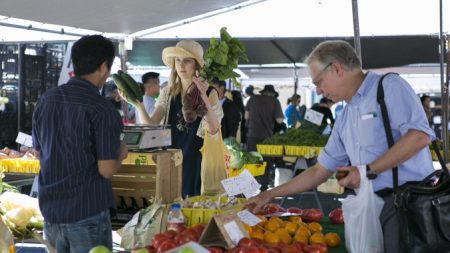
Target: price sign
248,218
24,139
245,184
314,116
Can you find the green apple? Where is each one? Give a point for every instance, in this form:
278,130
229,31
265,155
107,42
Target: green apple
99,249
187,250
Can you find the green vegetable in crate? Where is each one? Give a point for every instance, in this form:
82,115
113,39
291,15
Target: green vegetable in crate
222,57
298,137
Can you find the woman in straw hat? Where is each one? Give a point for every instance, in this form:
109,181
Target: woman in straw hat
185,60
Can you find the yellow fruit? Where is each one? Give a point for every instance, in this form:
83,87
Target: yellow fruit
303,231
271,225
333,240
317,237
248,228
291,227
301,238
314,227
284,235
296,219
263,218
257,234
271,238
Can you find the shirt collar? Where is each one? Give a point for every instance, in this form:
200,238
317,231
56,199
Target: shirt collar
365,86
84,83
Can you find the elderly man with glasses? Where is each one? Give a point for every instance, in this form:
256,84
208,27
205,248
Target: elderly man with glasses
359,138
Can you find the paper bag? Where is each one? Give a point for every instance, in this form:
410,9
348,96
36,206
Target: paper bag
139,231
213,168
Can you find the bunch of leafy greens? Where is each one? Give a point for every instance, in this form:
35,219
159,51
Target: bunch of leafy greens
222,58
239,157
298,137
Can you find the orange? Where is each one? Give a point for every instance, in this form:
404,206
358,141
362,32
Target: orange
258,229
247,228
303,231
301,238
271,238
291,227
314,227
277,219
296,219
263,218
284,236
316,238
257,234
271,225
333,240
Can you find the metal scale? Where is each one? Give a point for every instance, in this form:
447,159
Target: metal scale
146,137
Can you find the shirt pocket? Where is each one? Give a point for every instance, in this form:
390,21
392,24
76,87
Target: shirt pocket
367,131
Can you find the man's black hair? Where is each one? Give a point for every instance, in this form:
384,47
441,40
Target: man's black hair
89,52
222,83
149,75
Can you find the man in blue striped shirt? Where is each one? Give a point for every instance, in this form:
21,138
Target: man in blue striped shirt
359,137
77,133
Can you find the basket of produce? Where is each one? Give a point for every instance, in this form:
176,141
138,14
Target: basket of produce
201,209
254,169
269,149
297,142
23,161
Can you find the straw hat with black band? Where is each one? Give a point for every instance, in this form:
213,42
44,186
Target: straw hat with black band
184,48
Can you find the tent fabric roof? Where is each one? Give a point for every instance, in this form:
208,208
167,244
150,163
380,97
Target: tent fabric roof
110,16
377,52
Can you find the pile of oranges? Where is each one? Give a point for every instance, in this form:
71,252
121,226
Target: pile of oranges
275,230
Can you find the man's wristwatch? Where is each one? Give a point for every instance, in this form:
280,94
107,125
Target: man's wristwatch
370,173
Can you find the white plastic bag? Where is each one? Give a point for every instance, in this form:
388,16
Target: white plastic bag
363,231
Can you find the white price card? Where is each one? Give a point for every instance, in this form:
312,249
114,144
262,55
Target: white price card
244,183
314,116
248,218
25,139
234,232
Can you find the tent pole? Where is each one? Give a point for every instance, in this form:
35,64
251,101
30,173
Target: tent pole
290,59
356,29
444,87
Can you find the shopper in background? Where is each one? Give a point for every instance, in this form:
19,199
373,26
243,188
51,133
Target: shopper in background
77,134
237,100
231,114
185,59
150,82
291,113
323,107
425,100
359,137
262,113
248,93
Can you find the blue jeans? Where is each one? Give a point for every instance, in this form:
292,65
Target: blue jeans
80,236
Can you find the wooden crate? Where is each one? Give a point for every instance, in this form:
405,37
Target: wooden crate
153,175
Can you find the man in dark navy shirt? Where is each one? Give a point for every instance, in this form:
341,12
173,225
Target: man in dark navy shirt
77,133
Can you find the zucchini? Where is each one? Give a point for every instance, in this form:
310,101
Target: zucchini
134,86
123,86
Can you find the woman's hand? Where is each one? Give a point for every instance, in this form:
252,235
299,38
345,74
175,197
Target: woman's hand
202,86
126,99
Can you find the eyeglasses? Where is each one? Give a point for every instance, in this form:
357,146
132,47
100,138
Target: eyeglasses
315,80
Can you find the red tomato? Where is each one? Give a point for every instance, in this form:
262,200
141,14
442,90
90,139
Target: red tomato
249,249
323,247
299,245
167,245
336,216
199,229
258,241
215,250
151,249
263,250
295,210
291,249
311,215
189,231
246,242
315,248
158,239
182,239
170,234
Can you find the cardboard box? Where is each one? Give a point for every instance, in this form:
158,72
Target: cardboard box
157,176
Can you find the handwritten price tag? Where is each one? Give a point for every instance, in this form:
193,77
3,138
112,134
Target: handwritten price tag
245,184
233,231
248,218
24,139
314,116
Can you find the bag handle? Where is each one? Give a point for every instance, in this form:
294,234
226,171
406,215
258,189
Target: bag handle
388,130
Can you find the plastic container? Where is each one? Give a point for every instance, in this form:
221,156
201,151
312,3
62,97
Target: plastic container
175,218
